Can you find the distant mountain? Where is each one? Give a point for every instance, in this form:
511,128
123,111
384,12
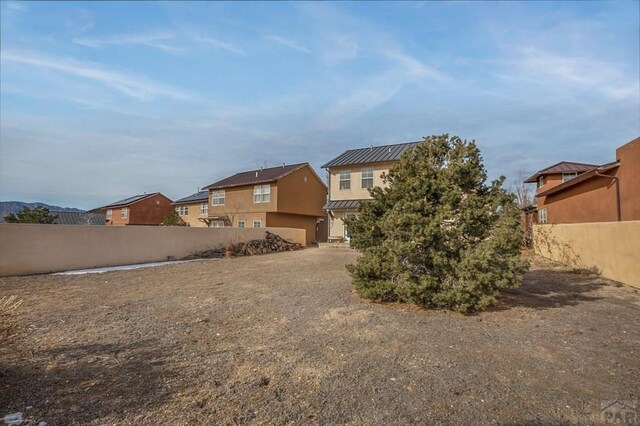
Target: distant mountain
7,207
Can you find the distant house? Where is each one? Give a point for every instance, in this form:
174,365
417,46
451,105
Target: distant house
577,193
144,209
288,196
351,174
79,218
194,209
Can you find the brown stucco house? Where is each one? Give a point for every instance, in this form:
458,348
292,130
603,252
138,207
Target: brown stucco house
144,209
578,193
289,196
351,174
194,209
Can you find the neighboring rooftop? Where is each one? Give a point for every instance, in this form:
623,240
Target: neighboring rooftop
372,154
253,177
562,167
79,218
581,178
342,205
198,196
128,201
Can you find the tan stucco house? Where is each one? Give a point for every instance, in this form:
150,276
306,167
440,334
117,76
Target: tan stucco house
194,209
351,174
290,196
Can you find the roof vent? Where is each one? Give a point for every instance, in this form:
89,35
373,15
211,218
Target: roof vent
256,173
389,150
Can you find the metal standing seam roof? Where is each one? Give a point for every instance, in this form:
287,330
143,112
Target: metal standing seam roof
342,204
253,177
79,218
373,154
198,196
562,167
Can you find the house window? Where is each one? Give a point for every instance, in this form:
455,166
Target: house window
568,176
204,209
217,224
541,181
257,223
262,193
217,198
124,213
542,215
109,213
345,179
367,177
241,224
182,210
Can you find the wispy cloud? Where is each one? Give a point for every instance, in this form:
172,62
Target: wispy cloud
291,44
129,85
220,45
16,5
154,40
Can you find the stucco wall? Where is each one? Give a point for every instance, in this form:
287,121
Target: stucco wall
356,192
629,174
193,215
30,249
302,192
593,200
609,248
240,200
287,220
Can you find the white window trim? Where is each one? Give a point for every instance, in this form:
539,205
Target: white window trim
261,191
216,196
259,221
573,176
124,213
340,180
182,209
109,214
541,181
241,222
204,209
542,216
362,178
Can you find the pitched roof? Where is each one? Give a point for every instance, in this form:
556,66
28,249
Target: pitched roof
128,201
198,196
79,218
253,177
372,154
561,167
580,178
342,204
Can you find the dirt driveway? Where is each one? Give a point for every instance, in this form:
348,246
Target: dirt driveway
282,339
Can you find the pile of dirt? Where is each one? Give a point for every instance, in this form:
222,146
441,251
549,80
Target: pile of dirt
271,243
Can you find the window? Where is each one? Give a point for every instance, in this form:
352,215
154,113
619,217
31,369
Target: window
217,224
541,181
217,198
542,215
345,179
568,176
241,224
109,213
182,210
204,209
124,213
367,177
257,223
262,193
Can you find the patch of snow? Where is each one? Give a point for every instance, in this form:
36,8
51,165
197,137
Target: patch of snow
13,419
124,267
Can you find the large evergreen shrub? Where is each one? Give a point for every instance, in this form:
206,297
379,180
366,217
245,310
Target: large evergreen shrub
438,235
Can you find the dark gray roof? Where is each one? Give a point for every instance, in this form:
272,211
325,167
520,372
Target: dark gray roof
79,218
128,201
253,177
198,196
342,205
562,167
374,154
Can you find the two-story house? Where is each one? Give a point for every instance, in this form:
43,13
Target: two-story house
351,174
143,209
288,196
194,209
577,193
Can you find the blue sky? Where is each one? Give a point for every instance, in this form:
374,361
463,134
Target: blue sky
104,100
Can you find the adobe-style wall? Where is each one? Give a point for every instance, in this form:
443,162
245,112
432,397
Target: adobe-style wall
356,192
286,220
31,249
629,173
240,199
593,200
193,215
609,248
302,192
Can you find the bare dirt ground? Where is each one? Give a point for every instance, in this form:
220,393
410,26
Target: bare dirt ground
282,339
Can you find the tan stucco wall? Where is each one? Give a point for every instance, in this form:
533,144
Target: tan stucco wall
240,199
302,192
193,216
336,224
356,192
287,220
30,249
609,248
629,175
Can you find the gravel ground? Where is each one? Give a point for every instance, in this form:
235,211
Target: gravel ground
283,339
